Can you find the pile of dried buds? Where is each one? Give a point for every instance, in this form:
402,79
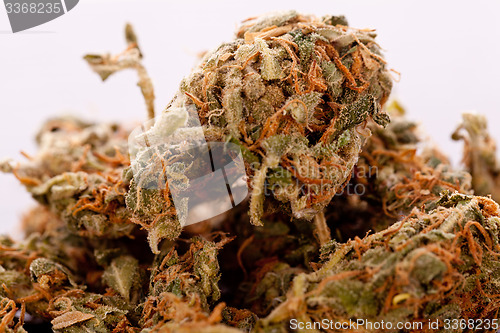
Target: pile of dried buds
348,217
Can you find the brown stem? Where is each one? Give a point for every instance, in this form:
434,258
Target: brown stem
322,230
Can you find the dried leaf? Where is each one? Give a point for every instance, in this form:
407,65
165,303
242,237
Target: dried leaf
120,275
69,319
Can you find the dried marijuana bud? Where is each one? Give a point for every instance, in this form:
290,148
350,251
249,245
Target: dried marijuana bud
437,265
55,276
78,174
295,92
392,173
183,288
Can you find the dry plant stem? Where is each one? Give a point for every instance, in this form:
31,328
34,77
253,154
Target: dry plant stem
322,230
147,90
106,65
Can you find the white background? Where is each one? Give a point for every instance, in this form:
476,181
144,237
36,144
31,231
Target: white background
447,51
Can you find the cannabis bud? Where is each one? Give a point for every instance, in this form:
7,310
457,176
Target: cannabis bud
296,93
